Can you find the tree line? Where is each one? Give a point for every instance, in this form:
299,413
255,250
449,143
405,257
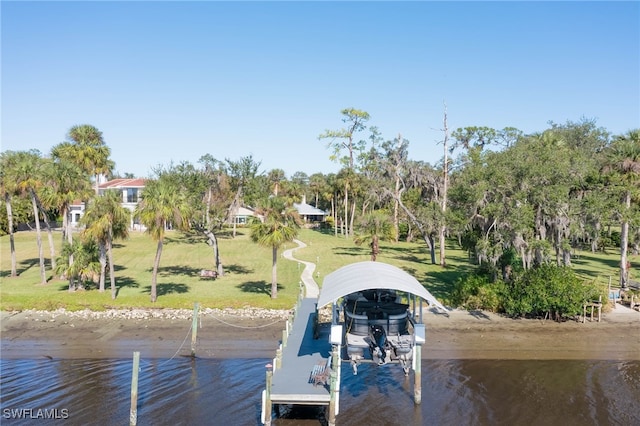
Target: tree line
508,198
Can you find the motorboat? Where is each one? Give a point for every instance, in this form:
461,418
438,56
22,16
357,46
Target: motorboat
376,313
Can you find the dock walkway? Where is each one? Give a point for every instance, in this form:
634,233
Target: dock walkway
291,383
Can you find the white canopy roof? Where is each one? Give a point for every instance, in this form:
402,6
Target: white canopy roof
371,275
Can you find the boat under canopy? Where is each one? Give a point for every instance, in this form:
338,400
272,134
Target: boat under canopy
375,306
370,275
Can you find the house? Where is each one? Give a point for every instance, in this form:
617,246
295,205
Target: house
131,189
309,213
243,215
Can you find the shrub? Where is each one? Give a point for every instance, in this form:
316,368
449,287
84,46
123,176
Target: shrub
478,292
545,291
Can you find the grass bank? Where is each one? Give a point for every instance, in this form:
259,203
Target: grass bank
247,279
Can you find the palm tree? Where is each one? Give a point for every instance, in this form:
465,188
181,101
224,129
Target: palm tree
279,226
373,228
87,149
8,160
106,221
26,175
66,182
164,203
275,178
623,164
84,266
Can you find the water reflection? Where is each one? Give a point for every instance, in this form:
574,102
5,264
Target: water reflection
183,391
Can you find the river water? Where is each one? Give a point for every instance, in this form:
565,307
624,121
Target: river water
182,391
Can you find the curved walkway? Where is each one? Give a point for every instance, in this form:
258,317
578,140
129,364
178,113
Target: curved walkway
311,288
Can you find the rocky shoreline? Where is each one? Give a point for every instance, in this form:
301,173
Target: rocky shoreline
256,333
140,314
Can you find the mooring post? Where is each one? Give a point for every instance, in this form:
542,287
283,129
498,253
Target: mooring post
267,404
333,387
417,384
194,330
133,413
278,358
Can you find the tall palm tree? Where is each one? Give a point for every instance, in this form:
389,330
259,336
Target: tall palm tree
279,226
8,161
65,183
106,220
164,203
27,175
275,178
87,149
373,228
623,164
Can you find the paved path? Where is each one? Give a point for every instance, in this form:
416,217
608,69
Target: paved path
311,288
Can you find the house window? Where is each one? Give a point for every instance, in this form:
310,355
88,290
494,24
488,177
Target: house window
132,195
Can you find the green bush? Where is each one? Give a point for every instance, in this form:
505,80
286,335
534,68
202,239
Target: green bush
478,292
547,291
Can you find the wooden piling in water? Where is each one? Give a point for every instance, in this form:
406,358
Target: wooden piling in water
333,387
133,413
417,384
267,404
194,329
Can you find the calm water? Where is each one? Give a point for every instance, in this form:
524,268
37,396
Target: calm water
182,391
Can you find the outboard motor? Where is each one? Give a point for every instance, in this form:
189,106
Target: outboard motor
379,341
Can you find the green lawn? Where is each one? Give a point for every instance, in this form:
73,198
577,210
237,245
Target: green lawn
247,280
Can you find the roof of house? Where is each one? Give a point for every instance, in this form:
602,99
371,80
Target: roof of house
371,275
243,211
305,209
123,183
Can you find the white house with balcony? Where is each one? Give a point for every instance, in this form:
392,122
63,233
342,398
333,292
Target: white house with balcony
130,190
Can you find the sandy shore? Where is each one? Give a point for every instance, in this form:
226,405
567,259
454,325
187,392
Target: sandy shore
256,334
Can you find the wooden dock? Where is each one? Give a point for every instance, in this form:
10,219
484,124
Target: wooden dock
291,383
290,379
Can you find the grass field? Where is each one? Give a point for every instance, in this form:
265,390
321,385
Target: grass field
247,279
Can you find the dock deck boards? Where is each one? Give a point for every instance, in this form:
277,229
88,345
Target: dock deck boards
291,383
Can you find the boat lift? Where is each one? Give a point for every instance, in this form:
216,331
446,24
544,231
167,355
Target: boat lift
377,316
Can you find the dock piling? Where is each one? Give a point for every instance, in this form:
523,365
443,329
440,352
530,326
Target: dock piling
417,384
194,329
267,403
133,412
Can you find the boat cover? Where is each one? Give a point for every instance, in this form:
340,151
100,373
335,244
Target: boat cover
371,275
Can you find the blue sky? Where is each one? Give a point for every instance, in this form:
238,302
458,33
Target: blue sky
172,81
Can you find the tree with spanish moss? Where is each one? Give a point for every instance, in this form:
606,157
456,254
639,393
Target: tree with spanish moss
623,170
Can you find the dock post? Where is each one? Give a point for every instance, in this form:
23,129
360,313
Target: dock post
333,388
194,329
133,412
417,385
267,404
278,358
